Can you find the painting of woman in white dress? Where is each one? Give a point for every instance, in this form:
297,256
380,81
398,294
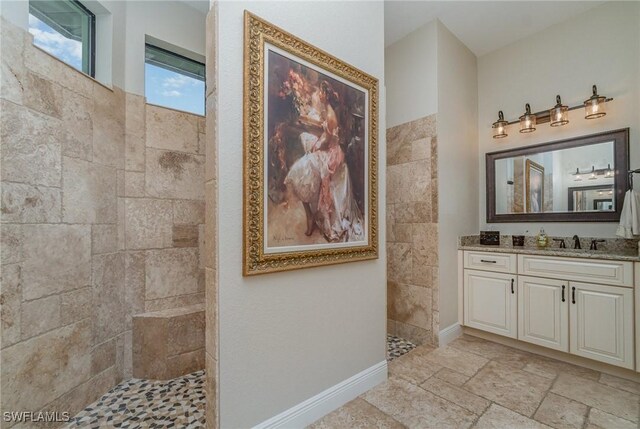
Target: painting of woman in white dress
316,193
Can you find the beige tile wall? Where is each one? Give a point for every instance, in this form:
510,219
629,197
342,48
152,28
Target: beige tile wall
102,217
412,231
211,225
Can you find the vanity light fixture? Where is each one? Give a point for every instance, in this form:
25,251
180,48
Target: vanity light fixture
527,120
578,176
594,106
593,173
556,116
499,127
609,172
559,115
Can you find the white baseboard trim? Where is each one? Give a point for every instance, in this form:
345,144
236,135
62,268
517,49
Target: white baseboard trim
449,334
324,402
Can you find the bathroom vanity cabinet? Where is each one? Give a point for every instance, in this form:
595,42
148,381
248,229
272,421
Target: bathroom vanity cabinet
581,306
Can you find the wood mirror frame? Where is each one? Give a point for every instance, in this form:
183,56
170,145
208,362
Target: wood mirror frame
620,140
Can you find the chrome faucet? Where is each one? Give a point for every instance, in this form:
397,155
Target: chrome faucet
563,245
576,242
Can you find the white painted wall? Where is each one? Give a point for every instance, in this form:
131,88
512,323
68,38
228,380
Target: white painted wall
457,161
600,46
285,337
411,76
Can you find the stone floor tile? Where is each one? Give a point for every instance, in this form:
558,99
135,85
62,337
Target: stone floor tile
614,401
357,414
452,377
551,368
620,383
466,400
457,360
561,413
515,389
413,367
417,408
600,420
498,417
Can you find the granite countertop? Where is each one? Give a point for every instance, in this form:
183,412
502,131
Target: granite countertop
614,249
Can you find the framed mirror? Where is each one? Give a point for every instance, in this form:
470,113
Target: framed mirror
582,179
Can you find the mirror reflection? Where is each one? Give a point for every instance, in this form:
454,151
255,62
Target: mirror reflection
577,179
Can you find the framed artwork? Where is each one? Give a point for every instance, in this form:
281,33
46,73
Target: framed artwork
534,186
310,155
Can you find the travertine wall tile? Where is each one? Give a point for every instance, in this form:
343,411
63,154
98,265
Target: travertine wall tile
133,184
77,121
11,298
186,333
188,212
42,95
23,203
103,356
148,223
11,243
76,305
63,362
40,315
185,363
108,126
134,152
171,272
210,230
412,231
12,60
31,146
135,284
108,296
67,250
173,174
89,192
174,302
104,238
186,236
171,130
73,169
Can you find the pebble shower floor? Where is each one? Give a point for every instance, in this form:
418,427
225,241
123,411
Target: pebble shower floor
177,403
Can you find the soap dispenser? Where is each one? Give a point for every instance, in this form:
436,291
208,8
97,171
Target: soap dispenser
542,238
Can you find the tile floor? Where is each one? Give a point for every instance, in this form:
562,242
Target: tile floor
135,403
178,403
397,346
470,383
480,384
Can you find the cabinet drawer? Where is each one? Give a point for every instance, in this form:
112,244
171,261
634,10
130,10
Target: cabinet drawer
616,273
490,261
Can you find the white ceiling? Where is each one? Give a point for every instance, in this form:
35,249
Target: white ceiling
483,26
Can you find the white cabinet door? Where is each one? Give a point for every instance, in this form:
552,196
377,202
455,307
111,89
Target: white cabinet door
490,302
601,323
543,312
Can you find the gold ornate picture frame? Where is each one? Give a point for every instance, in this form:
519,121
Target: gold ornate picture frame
310,155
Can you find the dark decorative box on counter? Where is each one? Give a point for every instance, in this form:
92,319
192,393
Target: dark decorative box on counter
518,240
490,238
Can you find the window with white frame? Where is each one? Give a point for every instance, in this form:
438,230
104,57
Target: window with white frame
66,29
173,80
